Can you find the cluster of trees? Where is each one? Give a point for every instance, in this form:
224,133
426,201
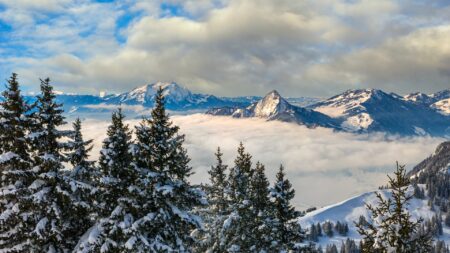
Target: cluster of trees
136,199
245,214
137,196
327,228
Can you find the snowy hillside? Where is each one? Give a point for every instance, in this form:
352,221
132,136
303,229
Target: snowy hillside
431,177
350,210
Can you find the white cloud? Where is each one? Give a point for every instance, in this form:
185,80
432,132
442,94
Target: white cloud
324,166
234,47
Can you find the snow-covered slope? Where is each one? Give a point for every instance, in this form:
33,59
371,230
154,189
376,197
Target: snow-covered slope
371,110
431,175
350,210
439,101
442,106
274,107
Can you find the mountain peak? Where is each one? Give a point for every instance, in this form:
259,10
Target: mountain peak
273,93
271,105
171,91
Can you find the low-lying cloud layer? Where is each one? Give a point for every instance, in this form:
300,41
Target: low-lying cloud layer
324,166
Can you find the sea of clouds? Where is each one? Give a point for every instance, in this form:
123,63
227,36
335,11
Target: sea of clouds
324,166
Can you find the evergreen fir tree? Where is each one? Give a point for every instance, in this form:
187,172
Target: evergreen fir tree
15,168
116,179
81,181
237,229
50,201
263,210
79,154
171,222
287,229
213,217
217,190
392,229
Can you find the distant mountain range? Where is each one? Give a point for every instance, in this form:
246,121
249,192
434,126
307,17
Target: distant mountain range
358,111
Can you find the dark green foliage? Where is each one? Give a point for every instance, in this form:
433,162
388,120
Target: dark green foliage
394,227
113,199
50,200
341,228
238,232
217,211
15,167
288,231
447,219
349,246
331,249
327,228
82,186
161,155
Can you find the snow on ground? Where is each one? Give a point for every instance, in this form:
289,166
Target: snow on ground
357,122
351,209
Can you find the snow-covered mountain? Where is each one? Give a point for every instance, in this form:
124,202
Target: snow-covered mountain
439,101
274,107
177,97
359,111
432,176
371,110
422,98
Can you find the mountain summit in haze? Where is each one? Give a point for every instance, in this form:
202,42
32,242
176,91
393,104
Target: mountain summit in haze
274,107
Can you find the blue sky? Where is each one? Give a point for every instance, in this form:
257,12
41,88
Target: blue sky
228,47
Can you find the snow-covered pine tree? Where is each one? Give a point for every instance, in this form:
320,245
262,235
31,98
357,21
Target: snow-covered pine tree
170,224
392,228
79,153
81,181
116,205
15,168
213,216
288,233
217,190
263,211
50,202
237,229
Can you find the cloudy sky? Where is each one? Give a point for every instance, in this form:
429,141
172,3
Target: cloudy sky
235,47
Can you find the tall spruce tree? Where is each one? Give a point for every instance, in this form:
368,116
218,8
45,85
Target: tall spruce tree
392,229
213,216
82,185
288,233
262,209
50,201
15,168
115,203
171,220
237,229
217,190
